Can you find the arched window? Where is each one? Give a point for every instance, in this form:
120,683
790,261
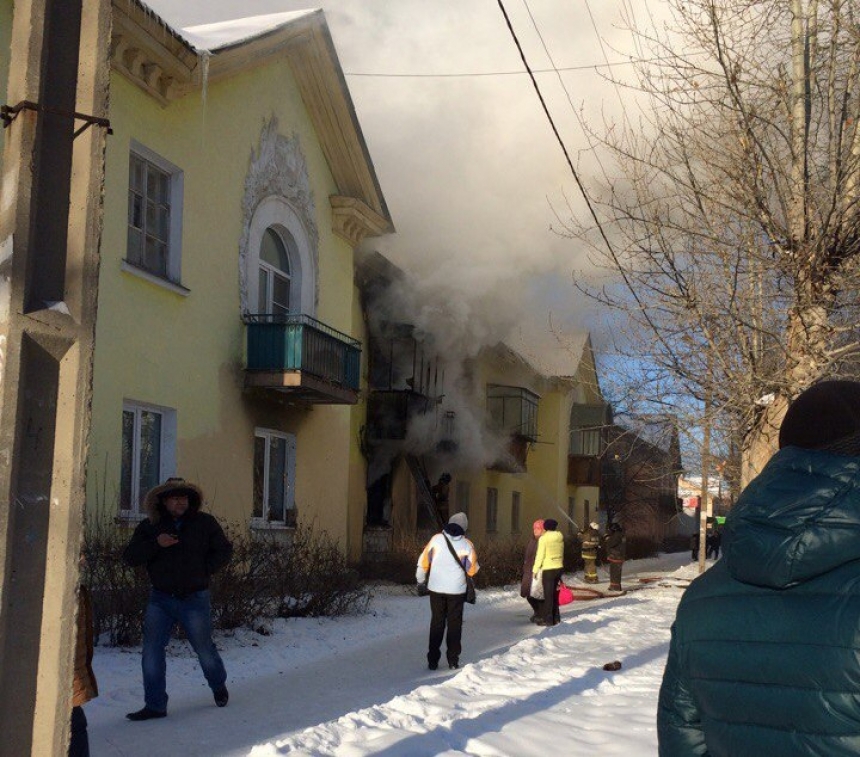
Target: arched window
278,262
276,249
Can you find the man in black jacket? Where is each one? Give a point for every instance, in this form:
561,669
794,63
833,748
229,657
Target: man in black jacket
180,547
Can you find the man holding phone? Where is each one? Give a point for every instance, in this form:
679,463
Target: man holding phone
180,547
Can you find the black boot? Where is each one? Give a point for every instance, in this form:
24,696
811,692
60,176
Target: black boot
222,696
146,714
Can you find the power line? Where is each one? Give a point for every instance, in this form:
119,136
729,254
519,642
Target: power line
555,131
609,247
466,74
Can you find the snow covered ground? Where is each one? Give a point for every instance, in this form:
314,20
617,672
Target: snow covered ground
357,686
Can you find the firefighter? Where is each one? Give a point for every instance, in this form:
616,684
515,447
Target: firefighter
590,538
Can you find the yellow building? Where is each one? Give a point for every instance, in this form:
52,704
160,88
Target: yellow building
238,184
519,439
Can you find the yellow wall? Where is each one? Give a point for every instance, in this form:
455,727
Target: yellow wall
154,345
543,487
5,42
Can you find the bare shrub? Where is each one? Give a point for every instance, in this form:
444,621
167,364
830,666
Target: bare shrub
119,592
304,575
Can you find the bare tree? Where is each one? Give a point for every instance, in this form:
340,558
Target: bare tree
731,231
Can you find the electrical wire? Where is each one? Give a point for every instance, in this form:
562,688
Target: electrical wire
466,74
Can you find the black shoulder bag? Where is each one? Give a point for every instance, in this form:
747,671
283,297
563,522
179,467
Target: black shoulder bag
470,584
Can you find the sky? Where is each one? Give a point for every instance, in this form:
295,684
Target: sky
475,180
359,685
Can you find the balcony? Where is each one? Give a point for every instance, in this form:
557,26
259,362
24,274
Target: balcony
303,358
583,470
389,412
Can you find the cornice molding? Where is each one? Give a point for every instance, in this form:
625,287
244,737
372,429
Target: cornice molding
353,220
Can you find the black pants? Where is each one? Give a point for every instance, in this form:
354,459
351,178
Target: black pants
549,611
615,575
536,605
79,746
446,611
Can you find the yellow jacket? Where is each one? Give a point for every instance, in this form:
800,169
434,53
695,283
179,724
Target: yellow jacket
550,551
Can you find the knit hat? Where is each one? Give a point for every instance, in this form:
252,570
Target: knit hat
550,525
826,416
537,524
459,519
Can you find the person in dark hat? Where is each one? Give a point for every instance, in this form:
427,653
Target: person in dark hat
765,654
549,564
528,571
181,548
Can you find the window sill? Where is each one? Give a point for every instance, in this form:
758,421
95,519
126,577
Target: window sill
126,517
264,525
152,278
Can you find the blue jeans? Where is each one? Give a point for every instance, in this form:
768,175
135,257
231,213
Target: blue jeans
194,614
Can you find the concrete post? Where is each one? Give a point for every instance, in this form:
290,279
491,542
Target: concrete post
50,226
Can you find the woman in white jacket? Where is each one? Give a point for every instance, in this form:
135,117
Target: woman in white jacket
445,578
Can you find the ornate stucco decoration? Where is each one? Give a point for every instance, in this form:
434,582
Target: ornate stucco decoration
353,220
277,169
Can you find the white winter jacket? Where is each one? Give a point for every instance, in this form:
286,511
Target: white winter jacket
446,575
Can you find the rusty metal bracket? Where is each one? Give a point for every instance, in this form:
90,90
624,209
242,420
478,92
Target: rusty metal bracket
8,113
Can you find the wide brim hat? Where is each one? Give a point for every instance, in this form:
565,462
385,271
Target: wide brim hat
157,494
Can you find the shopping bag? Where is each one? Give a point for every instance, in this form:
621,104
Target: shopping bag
565,595
536,591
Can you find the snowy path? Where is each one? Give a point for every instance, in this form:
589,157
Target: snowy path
359,686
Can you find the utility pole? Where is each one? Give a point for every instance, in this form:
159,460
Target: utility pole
705,503
50,226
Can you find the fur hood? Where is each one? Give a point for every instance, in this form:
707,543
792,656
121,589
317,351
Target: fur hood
153,503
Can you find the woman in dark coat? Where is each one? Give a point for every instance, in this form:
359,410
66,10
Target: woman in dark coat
528,564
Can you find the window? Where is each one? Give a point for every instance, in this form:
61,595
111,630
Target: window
462,497
585,441
587,511
278,263
571,513
148,453
513,410
275,280
154,214
492,510
515,512
274,478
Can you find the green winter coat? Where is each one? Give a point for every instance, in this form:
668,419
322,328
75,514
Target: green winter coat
765,652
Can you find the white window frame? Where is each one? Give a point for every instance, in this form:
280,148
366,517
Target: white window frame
263,521
174,241
276,213
167,452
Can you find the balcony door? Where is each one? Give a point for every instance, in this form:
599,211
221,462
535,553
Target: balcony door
275,279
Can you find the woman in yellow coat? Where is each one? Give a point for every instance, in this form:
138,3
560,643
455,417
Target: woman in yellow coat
549,563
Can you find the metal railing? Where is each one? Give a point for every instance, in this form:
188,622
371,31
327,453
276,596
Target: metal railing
302,343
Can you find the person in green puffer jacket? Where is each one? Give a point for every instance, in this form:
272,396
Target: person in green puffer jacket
765,650
549,562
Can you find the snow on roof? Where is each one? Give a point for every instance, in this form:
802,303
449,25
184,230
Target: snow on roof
561,360
228,33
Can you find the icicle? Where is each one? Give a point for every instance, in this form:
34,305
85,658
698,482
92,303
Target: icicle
205,55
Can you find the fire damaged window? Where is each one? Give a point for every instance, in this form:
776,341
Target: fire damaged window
492,510
515,512
461,502
512,410
274,478
154,214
